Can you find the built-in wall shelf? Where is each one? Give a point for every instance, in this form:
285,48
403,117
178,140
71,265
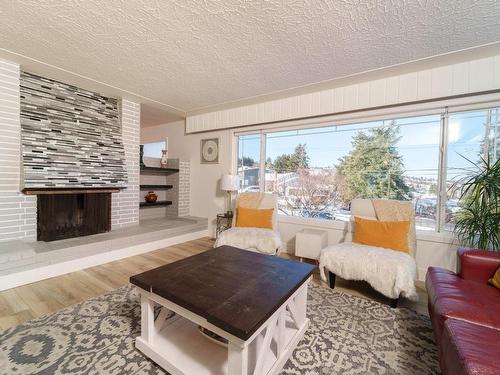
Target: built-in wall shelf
155,204
164,182
156,170
157,187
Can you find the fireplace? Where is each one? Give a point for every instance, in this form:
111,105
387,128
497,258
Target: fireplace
61,216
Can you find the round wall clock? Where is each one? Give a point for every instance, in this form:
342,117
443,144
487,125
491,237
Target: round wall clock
210,150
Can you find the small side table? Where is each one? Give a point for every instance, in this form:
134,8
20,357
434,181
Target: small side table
224,222
310,242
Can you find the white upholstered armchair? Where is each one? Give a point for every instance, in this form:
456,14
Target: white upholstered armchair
262,240
390,272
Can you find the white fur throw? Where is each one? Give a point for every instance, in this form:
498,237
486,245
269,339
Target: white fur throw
262,240
388,271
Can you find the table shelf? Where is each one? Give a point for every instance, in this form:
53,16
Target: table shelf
180,346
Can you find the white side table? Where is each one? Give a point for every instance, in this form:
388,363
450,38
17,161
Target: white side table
310,242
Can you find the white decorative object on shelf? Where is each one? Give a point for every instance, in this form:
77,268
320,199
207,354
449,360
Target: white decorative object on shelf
164,159
310,242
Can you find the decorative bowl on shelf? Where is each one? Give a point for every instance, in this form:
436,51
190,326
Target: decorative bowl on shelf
213,337
151,197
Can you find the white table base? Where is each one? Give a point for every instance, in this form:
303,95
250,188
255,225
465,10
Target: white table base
176,345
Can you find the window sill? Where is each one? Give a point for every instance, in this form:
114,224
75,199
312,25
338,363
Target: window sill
310,222
422,235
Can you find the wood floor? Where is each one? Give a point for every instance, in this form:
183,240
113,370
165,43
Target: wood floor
44,297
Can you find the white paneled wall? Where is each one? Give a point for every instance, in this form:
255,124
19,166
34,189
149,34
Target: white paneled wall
125,204
457,79
17,211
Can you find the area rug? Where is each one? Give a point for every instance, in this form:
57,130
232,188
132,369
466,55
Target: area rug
347,335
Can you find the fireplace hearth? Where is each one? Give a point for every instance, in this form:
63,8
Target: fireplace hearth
61,216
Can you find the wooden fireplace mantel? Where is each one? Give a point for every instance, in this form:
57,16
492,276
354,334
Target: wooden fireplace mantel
46,191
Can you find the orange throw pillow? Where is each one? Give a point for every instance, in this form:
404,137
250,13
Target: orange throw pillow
389,234
495,280
254,217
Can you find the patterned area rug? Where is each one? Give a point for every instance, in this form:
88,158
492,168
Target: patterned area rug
347,335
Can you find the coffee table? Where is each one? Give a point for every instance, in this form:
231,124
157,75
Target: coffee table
256,302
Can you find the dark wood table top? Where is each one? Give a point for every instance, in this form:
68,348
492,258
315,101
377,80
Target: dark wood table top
235,290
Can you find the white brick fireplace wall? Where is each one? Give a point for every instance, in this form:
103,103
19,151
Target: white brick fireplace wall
184,176
125,204
17,211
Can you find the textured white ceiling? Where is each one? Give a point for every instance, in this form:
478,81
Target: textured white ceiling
196,53
151,116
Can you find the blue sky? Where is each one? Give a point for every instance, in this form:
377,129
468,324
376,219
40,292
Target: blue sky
418,146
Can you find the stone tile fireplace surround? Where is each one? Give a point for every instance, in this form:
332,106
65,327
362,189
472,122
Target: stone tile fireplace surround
42,166
70,137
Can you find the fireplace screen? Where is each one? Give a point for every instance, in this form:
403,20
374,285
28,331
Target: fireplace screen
62,216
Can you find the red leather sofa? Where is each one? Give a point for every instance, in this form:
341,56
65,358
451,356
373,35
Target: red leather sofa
465,314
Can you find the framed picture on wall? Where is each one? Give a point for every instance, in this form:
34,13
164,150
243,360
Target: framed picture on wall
210,151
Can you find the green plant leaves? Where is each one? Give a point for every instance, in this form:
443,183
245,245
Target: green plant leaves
478,220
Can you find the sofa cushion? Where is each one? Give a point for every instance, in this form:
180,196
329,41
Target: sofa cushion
469,348
254,217
495,280
384,234
477,265
452,296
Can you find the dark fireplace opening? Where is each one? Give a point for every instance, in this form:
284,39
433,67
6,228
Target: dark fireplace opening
61,216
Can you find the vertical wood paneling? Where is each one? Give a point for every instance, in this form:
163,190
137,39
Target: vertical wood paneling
363,95
460,78
325,99
424,84
377,92
442,82
295,107
316,103
252,114
468,77
287,108
306,104
481,74
350,97
225,119
392,90
496,71
338,99
407,88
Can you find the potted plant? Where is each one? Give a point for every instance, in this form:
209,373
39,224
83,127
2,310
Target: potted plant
477,223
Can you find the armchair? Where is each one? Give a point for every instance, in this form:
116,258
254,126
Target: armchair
266,241
391,273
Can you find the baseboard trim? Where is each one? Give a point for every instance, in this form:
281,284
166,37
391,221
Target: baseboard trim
421,273
45,272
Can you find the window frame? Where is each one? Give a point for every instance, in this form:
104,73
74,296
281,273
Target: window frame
443,108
